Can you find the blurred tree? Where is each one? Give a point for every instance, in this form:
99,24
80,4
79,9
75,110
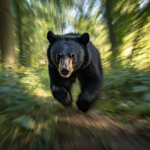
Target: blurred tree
19,29
33,19
24,21
114,26
141,20
6,33
108,13
119,16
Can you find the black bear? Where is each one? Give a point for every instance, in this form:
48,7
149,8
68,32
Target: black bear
72,56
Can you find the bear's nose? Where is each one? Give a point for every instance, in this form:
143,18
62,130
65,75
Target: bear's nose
64,71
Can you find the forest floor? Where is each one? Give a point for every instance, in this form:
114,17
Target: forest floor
42,123
93,130
97,131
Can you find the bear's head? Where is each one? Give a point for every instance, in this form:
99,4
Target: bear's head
68,53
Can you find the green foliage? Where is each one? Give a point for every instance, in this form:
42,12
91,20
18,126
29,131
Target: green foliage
142,110
45,134
21,109
126,81
25,121
126,90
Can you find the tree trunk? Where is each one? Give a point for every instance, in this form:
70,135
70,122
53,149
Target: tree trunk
111,30
136,40
139,27
6,34
19,27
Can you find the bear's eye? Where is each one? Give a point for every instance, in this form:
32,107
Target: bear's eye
73,56
58,56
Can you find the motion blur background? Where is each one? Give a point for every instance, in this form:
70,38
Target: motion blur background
30,118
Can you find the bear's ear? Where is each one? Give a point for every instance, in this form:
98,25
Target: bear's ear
51,37
84,38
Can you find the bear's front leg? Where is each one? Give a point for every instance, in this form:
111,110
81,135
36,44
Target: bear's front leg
90,92
61,94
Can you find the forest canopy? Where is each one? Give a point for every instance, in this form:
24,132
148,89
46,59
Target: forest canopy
119,29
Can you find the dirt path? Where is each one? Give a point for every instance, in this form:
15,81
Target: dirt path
96,131
75,130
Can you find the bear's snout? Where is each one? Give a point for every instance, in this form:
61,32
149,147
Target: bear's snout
65,67
65,71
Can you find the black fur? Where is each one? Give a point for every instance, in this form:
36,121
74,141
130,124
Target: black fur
87,69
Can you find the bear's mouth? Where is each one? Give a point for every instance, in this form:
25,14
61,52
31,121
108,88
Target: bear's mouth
65,76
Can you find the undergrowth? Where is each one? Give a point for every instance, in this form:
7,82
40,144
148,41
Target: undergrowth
29,113
25,108
126,90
